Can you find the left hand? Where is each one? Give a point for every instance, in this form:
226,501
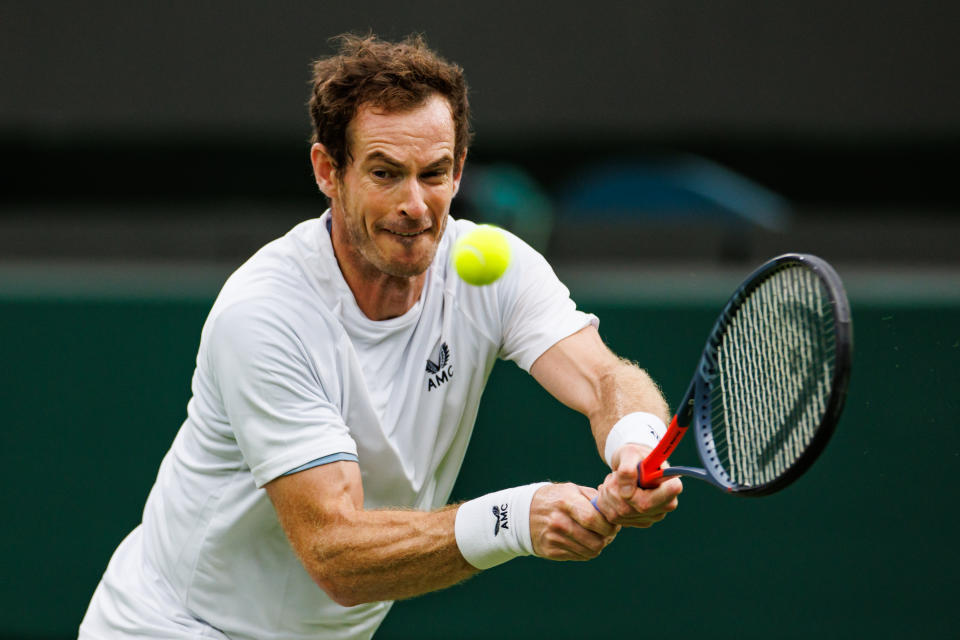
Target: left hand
622,502
565,526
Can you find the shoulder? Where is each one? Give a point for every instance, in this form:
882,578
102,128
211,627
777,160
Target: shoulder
290,275
283,292
293,260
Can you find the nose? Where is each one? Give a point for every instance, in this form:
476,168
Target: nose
413,203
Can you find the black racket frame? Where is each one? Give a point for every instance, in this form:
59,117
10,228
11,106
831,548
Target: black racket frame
696,404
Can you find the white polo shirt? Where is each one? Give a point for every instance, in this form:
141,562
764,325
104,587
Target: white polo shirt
290,371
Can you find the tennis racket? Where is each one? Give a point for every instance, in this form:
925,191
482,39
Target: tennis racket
770,385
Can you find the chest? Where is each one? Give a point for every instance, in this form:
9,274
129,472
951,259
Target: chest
411,399
412,374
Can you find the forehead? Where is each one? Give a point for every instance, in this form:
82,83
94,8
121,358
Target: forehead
427,129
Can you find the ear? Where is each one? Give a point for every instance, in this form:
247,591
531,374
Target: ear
323,171
459,174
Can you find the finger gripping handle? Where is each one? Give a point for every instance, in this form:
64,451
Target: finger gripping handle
649,469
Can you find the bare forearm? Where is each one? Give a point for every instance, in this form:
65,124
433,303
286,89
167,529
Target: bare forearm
585,375
365,556
624,388
357,555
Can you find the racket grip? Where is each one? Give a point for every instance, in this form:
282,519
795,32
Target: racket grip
649,470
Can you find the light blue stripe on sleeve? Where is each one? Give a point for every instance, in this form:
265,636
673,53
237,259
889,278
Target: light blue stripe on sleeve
333,457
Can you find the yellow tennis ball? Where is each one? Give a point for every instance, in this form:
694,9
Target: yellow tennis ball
482,255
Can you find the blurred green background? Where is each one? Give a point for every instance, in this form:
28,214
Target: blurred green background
95,386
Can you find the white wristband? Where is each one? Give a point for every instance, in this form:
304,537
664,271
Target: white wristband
639,428
495,528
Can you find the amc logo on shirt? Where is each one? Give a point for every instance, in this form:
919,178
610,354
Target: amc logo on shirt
440,370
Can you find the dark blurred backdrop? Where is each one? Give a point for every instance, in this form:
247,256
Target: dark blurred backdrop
191,116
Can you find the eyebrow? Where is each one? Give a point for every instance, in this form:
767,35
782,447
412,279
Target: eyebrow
380,156
442,163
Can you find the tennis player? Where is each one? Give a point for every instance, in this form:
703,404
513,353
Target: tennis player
337,384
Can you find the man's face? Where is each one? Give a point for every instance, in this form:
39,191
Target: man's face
394,195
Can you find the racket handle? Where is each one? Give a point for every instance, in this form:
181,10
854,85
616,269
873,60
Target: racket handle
649,468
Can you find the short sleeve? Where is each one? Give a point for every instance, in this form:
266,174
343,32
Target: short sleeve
536,308
273,393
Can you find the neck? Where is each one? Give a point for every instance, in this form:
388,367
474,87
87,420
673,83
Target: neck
386,296
379,295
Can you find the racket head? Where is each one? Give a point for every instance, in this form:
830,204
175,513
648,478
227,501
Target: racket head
772,381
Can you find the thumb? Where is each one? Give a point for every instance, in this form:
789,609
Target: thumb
627,473
626,476
588,492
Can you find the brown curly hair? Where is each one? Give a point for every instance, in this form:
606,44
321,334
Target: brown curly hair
396,76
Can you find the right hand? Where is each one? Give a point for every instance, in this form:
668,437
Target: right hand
565,526
623,502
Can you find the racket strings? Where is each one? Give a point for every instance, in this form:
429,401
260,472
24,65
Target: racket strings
774,364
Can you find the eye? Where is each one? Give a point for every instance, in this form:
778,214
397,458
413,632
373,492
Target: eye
380,174
434,175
